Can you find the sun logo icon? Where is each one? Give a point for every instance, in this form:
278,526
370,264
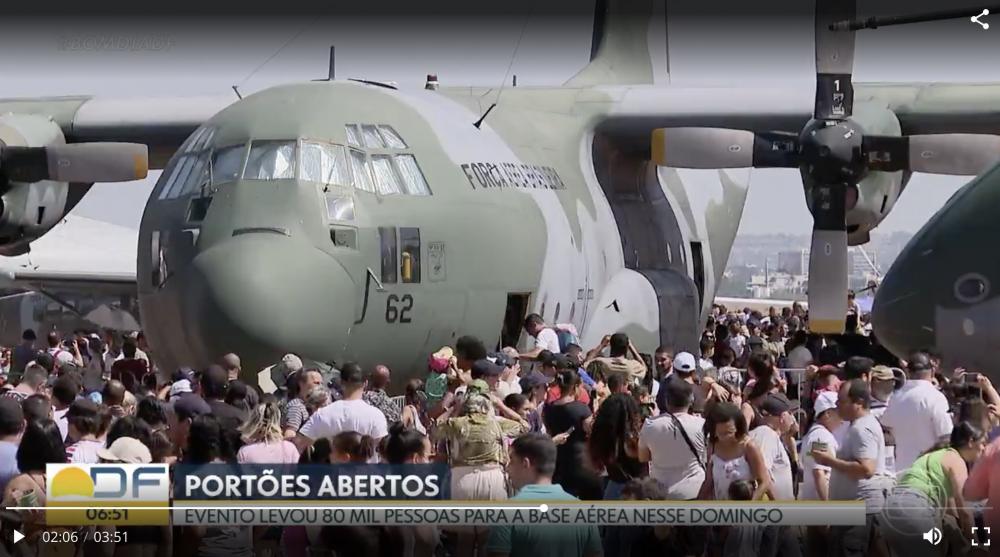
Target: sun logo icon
72,481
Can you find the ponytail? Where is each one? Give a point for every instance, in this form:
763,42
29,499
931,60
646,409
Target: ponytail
566,381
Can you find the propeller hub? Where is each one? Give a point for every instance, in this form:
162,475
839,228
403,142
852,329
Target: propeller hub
832,152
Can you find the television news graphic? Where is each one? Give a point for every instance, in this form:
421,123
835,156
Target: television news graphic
85,494
368,494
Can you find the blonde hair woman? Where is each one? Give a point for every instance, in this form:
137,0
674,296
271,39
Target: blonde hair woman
264,438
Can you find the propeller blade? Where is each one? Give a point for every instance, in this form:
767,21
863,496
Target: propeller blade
76,162
834,61
828,260
723,148
959,154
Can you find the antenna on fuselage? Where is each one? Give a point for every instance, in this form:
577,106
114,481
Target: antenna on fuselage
506,74
330,73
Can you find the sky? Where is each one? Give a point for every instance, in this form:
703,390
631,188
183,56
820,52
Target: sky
195,56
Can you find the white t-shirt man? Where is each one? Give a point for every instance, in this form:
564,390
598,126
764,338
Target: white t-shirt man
817,434
547,339
346,415
776,460
673,463
918,416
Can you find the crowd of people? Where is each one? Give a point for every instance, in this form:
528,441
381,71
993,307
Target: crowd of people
762,411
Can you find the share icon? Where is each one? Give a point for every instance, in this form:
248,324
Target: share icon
975,19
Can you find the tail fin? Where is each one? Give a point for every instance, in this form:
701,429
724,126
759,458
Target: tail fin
629,44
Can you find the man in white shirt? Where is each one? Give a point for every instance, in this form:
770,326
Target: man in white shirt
351,413
673,444
545,337
775,413
917,414
816,477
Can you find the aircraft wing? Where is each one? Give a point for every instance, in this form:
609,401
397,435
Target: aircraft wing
78,255
922,108
927,108
160,123
164,123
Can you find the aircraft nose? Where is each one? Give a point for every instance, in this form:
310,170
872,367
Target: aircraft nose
264,295
903,312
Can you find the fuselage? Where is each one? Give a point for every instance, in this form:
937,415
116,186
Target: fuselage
342,221
939,292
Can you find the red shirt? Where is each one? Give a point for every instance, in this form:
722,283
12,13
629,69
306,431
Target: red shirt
554,395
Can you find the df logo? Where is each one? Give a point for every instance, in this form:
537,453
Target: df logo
121,482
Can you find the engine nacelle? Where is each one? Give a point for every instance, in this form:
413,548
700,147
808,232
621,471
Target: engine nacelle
29,210
877,192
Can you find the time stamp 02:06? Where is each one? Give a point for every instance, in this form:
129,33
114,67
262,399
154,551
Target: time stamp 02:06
86,535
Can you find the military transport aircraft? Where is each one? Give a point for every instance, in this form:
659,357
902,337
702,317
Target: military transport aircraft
939,291
352,220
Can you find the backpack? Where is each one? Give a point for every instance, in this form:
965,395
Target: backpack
567,335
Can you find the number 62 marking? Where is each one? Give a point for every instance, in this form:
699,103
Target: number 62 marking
397,310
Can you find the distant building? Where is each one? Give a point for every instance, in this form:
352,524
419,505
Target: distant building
793,262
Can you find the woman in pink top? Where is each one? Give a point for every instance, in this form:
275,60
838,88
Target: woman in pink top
984,483
265,442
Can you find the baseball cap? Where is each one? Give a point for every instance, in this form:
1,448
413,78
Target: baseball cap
501,359
179,387
920,361
183,374
827,400
532,380
440,360
289,364
775,405
485,368
882,373
684,363
126,449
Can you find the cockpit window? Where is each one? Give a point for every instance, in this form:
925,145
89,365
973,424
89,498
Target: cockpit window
372,139
391,138
413,178
188,170
324,163
362,178
199,140
352,135
227,163
271,160
197,177
387,180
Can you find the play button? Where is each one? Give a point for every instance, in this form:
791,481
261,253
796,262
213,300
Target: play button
18,536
